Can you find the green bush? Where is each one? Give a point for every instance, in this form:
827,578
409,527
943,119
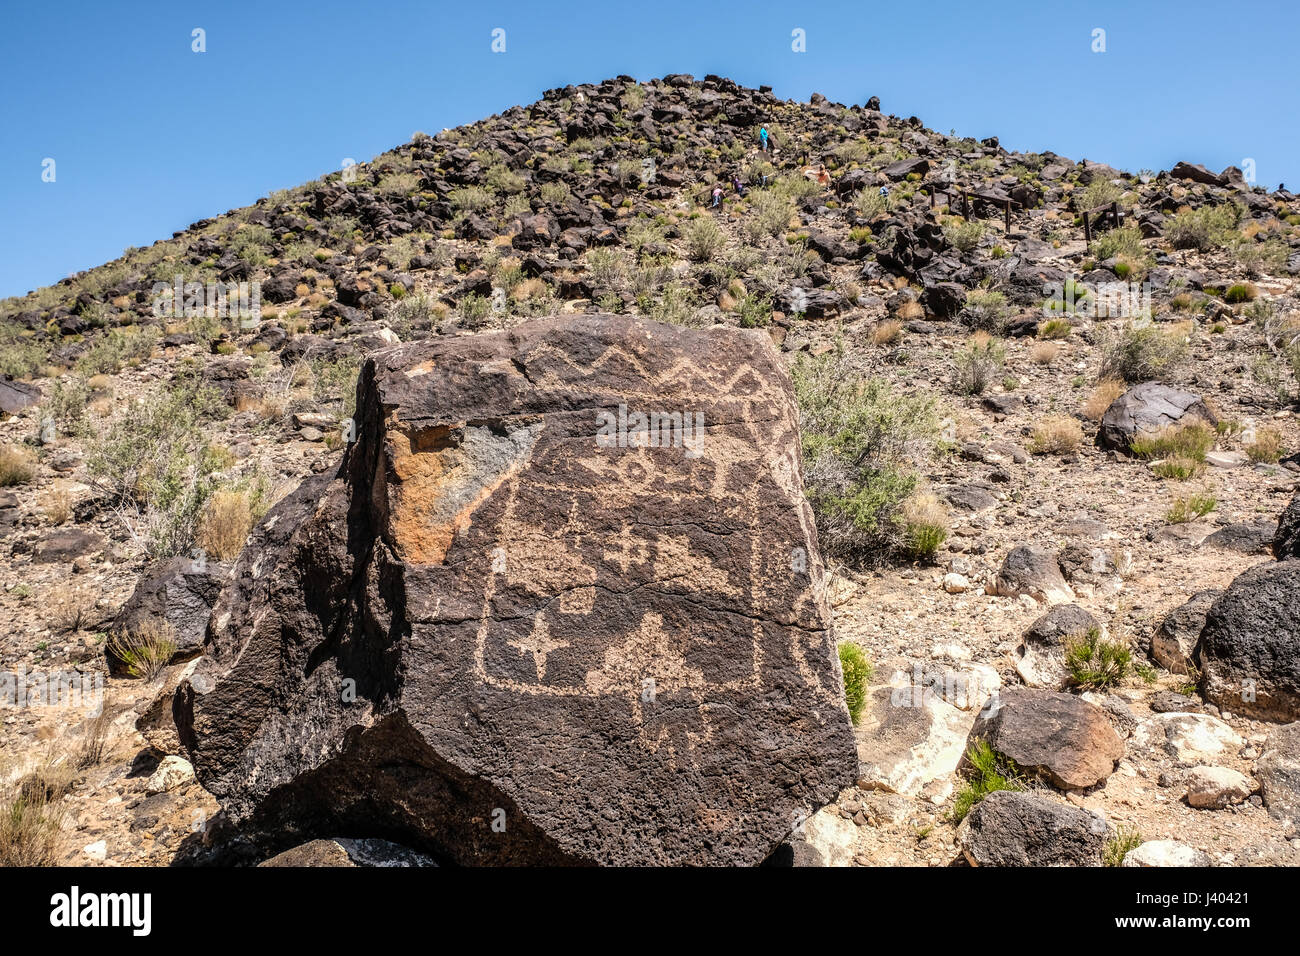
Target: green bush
985,310
988,772
704,239
1093,662
964,235
1209,227
976,364
1142,353
857,676
861,439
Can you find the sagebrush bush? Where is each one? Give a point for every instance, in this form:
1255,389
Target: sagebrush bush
976,364
154,464
964,235
985,310
861,440
15,467
1143,353
704,239
1203,229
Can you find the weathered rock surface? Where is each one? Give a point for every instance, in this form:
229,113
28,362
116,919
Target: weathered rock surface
1213,788
502,638
1250,646
1041,653
1166,853
1032,570
343,852
1066,741
1148,409
1278,771
1174,644
1286,542
1187,738
1008,828
178,593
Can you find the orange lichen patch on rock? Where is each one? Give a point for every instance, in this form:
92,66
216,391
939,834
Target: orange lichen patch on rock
441,475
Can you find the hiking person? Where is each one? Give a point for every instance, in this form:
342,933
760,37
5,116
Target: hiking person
717,197
762,138
735,181
823,177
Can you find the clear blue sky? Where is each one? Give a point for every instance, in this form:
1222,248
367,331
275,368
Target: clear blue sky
148,136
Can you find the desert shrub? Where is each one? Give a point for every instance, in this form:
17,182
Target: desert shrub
1125,840
857,676
116,348
987,773
888,332
964,235
1056,435
754,311
227,520
1190,507
1240,292
21,355
1094,662
1055,329
976,364
1142,353
769,214
70,608
985,310
704,239
1203,229
470,199
146,649
1191,440
557,193
1267,446
1100,192
30,818
868,204
1102,397
395,185
1044,353
1177,469
502,179
925,526
154,463
861,440
15,467
1125,241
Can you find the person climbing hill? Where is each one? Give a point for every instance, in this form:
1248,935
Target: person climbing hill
762,138
717,197
740,189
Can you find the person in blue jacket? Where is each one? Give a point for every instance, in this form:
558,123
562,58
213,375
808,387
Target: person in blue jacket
762,138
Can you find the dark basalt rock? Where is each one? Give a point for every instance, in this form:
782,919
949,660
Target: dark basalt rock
493,639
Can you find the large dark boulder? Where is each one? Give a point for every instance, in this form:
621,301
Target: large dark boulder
1250,645
500,635
1008,828
1066,741
1286,540
1147,409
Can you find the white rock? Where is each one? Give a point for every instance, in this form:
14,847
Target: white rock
831,836
1214,788
1166,853
1188,738
97,850
956,583
172,774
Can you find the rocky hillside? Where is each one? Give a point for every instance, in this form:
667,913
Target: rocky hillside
1047,466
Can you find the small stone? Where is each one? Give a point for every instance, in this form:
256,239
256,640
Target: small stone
172,774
